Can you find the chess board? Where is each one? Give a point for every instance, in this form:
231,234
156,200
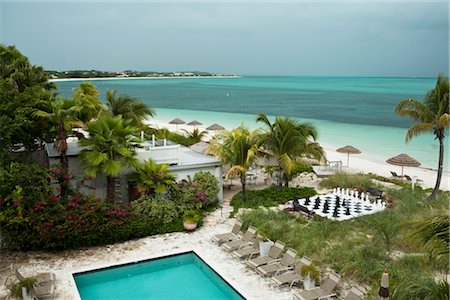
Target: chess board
341,207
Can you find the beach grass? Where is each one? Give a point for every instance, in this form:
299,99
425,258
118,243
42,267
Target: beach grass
357,248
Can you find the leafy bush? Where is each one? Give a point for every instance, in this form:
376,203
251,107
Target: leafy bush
268,197
300,166
156,209
199,193
344,180
209,184
192,216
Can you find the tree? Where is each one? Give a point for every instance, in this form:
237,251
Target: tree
110,148
128,107
287,140
86,97
60,112
434,235
22,87
153,178
237,148
195,136
431,115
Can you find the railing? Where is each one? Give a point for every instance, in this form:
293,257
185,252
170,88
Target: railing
169,154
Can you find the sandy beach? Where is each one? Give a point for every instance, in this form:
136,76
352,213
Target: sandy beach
144,77
358,163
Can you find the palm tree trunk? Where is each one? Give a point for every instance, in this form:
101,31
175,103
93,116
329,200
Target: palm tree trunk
440,136
243,185
286,180
110,188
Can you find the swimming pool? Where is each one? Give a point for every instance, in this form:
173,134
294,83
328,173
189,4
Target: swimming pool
181,276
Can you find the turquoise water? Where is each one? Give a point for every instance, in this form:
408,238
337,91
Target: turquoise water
183,276
347,110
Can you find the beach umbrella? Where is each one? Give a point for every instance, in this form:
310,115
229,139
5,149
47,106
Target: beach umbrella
215,127
403,160
194,123
349,150
177,122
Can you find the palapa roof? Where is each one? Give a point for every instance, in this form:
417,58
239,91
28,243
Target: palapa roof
403,160
195,123
215,127
348,149
177,121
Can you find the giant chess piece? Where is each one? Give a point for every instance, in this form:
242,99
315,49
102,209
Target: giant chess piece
326,207
317,203
335,212
307,200
338,202
334,191
347,211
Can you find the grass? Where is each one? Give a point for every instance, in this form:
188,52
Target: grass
357,248
268,197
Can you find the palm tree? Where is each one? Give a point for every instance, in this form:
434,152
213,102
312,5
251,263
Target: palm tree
434,235
237,148
432,115
287,140
128,107
61,112
110,148
195,136
86,97
153,178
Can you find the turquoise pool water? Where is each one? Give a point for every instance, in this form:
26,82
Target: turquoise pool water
183,276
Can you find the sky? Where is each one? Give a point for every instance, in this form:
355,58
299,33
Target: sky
359,38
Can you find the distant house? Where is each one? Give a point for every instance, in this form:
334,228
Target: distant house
182,161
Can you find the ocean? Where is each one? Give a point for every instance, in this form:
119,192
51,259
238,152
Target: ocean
347,110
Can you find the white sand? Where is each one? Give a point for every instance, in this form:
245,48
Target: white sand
357,163
144,77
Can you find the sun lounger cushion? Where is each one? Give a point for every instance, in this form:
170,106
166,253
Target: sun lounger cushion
274,253
246,239
285,263
225,237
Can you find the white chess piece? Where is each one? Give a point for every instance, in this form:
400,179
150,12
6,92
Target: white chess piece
352,192
383,204
367,197
338,190
362,195
356,194
347,192
334,191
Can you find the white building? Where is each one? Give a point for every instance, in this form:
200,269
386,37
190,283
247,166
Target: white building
182,162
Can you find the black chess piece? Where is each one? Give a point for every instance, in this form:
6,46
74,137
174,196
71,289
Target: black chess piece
335,212
326,207
307,201
338,202
344,203
317,203
347,211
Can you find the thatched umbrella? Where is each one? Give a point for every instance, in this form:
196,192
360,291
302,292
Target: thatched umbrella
194,123
403,160
349,150
215,127
177,122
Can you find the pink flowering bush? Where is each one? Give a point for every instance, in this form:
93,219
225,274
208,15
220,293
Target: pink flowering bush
200,192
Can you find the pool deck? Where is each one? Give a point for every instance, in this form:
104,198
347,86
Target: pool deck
250,284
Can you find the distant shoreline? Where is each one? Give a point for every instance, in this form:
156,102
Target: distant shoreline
143,77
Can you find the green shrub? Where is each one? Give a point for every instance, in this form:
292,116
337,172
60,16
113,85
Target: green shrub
16,288
209,184
156,209
192,216
344,180
268,197
300,166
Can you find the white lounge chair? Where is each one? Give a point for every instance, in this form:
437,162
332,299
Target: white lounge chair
274,253
248,251
247,239
292,277
229,236
324,291
281,265
355,293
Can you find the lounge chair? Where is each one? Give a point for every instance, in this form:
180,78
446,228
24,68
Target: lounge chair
408,178
274,254
395,175
325,290
355,294
286,263
247,251
247,239
229,236
292,277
